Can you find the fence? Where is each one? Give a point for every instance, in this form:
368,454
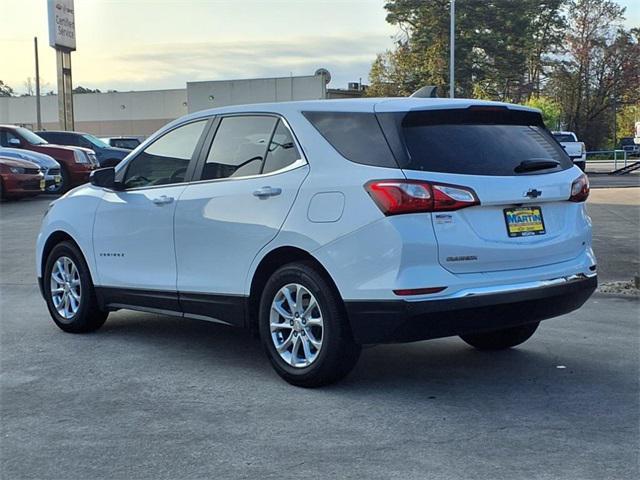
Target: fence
607,160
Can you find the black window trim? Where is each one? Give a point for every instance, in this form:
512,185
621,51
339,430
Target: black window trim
204,152
122,172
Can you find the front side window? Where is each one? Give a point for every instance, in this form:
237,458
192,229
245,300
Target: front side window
165,161
5,137
282,150
239,147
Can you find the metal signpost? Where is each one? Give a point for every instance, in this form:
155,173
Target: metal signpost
62,37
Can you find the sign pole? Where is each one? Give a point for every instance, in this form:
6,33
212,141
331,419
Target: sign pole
38,111
62,37
452,50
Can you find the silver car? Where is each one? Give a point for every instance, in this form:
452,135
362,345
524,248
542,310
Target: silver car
50,168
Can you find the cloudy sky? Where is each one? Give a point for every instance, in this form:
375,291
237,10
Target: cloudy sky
152,44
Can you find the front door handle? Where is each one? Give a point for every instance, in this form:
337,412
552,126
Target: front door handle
162,200
266,192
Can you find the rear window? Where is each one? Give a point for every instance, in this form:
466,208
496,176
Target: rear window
564,137
473,141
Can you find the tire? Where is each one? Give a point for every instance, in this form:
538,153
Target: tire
63,186
87,317
501,339
326,325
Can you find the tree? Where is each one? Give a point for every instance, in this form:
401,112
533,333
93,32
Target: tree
80,89
5,90
600,69
28,88
502,46
551,111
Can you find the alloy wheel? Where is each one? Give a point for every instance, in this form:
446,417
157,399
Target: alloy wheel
66,290
296,325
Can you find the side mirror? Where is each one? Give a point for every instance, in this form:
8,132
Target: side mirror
14,142
105,178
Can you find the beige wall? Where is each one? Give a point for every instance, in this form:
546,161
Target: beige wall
118,113
113,128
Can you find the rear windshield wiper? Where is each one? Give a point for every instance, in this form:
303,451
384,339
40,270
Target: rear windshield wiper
533,165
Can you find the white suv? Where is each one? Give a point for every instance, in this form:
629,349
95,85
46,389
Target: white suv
326,225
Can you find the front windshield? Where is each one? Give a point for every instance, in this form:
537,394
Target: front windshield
30,137
95,141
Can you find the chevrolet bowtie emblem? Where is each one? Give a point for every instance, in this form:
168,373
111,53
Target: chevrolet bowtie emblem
533,193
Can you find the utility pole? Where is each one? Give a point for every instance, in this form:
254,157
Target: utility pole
38,111
452,50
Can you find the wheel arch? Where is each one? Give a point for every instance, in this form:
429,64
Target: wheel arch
54,239
272,261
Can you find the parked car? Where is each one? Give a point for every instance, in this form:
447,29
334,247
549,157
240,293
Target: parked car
19,178
331,224
574,148
107,155
76,162
628,145
49,167
128,143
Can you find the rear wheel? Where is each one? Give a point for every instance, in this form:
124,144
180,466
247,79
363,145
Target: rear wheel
69,291
501,339
304,329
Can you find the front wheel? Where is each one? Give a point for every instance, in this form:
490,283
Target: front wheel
501,339
304,329
69,291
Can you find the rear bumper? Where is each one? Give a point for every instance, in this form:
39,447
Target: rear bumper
394,321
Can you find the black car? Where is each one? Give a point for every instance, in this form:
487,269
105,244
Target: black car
107,155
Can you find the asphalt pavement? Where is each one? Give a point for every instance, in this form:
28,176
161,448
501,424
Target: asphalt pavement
155,397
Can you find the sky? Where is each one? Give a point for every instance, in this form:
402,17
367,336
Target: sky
155,44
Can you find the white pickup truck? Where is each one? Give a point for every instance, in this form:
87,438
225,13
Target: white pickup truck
575,149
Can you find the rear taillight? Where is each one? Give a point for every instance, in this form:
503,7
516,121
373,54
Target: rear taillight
579,189
395,197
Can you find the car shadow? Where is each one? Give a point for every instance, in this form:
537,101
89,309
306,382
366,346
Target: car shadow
423,371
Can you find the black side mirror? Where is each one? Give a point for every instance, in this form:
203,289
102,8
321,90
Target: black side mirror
105,178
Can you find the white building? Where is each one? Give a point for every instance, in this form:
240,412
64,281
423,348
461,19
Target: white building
143,112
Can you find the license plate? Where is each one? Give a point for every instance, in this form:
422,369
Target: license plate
57,178
524,221
42,184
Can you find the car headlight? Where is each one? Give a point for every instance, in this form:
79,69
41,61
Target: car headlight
80,157
17,170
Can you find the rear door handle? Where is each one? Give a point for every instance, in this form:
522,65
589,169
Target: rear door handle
266,192
162,200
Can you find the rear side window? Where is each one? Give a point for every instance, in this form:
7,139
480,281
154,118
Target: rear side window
239,147
282,150
476,142
356,136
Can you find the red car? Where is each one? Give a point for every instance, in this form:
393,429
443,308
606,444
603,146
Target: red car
20,178
76,162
